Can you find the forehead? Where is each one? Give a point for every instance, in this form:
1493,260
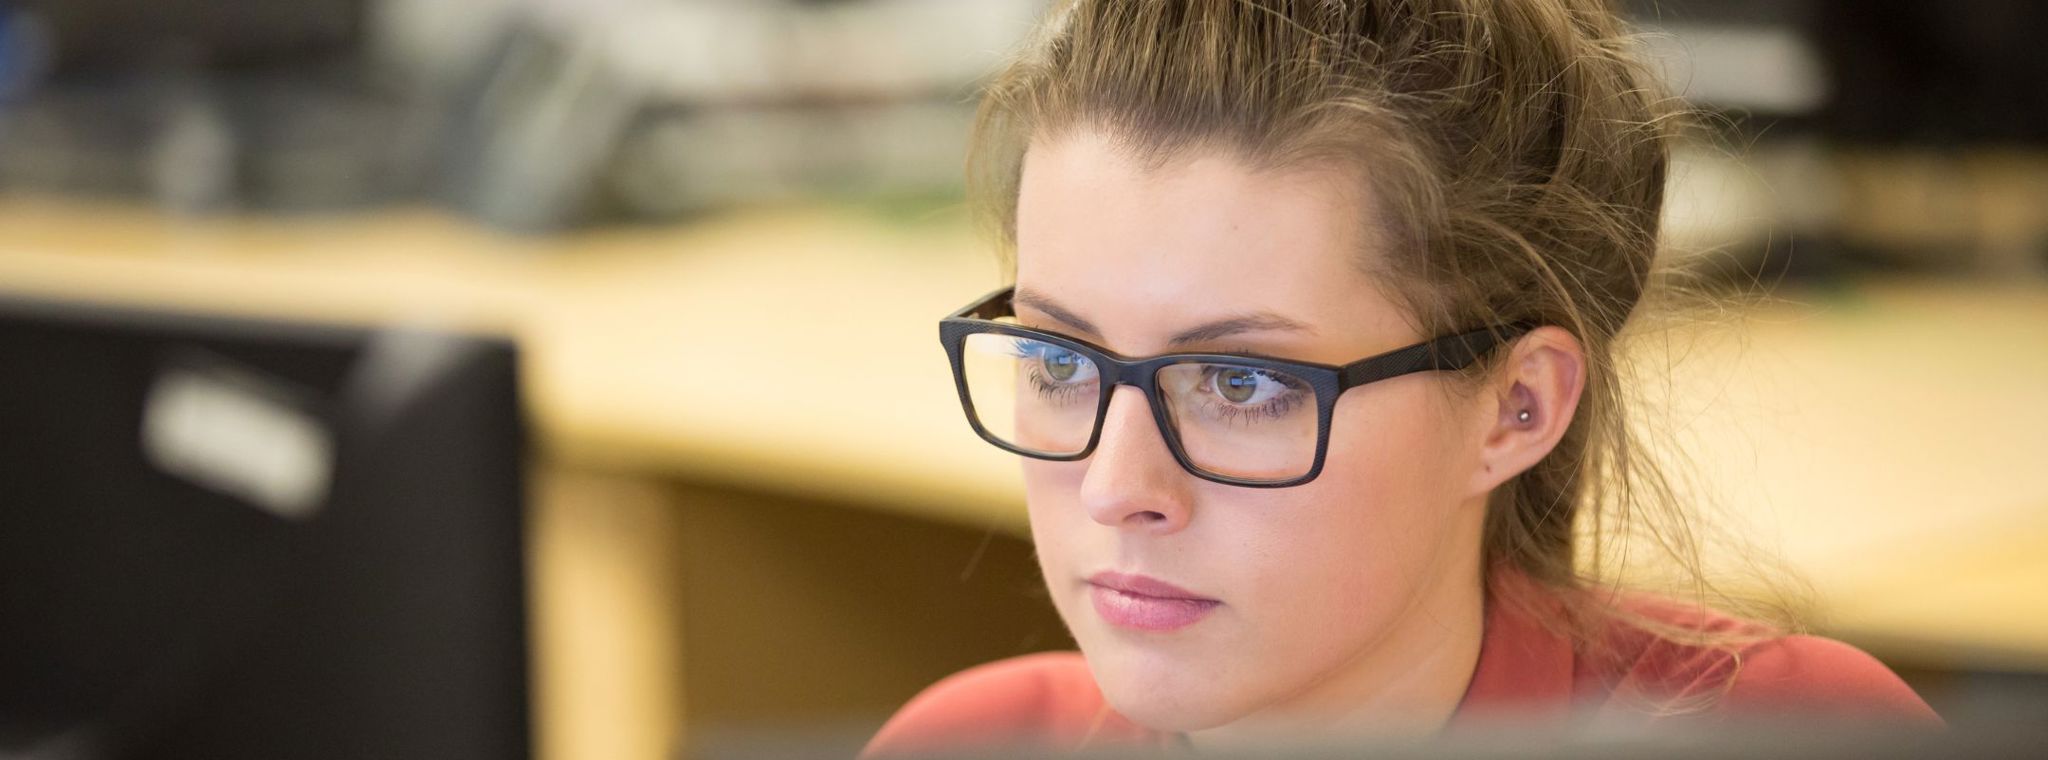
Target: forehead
1143,250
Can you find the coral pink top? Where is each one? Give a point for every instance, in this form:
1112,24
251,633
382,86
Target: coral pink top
1524,670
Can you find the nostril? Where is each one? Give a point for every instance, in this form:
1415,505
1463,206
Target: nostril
1149,516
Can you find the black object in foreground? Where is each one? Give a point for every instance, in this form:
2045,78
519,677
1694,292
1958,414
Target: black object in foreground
240,539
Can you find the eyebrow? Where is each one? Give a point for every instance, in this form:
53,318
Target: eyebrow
1053,309
1208,331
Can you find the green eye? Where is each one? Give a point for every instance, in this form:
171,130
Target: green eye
1062,365
1237,385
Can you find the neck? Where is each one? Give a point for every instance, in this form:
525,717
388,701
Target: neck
1408,682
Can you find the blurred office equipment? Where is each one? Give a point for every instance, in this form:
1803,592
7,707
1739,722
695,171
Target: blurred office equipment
535,116
1954,73
1865,71
1845,135
254,539
1852,128
659,109
200,105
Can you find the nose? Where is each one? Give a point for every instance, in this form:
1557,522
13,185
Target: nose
1132,480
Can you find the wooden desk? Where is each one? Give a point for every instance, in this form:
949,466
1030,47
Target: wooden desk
633,337
1887,440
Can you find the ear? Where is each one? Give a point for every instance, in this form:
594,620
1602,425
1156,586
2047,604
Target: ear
1527,404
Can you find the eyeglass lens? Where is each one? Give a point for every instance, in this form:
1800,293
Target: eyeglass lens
1234,420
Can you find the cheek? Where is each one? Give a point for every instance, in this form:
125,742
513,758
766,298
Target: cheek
1352,548
1399,456
1051,489
1051,494
1310,563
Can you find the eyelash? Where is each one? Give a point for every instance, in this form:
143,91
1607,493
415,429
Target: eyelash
1045,386
1279,406
1031,350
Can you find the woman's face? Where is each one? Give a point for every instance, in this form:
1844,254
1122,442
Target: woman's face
1312,595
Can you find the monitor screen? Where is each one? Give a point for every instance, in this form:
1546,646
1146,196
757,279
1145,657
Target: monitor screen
238,539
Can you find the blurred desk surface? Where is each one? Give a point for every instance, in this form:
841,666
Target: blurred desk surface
1886,438
795,350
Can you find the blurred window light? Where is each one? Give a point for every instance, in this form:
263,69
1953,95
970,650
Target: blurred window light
697,51
1763,68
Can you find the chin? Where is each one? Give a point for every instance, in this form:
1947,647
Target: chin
1162,692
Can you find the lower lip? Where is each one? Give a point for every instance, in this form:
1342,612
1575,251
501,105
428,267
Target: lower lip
1148,613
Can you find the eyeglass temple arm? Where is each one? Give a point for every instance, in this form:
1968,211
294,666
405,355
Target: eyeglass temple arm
995,305
1451,352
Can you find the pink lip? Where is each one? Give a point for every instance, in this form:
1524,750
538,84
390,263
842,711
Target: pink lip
1146,604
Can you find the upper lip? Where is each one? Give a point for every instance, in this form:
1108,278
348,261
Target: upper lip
1144,586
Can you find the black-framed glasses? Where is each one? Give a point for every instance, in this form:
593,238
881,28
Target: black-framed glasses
1243,420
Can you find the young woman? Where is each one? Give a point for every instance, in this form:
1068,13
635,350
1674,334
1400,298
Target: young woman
1311,356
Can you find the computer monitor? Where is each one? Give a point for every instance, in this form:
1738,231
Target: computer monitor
231,538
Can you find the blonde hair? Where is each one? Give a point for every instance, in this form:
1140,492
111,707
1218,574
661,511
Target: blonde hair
1518,149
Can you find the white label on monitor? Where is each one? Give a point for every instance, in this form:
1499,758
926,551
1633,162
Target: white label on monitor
224,435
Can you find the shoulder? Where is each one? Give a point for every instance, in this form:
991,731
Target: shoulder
1737,667
1814,674
1033,699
